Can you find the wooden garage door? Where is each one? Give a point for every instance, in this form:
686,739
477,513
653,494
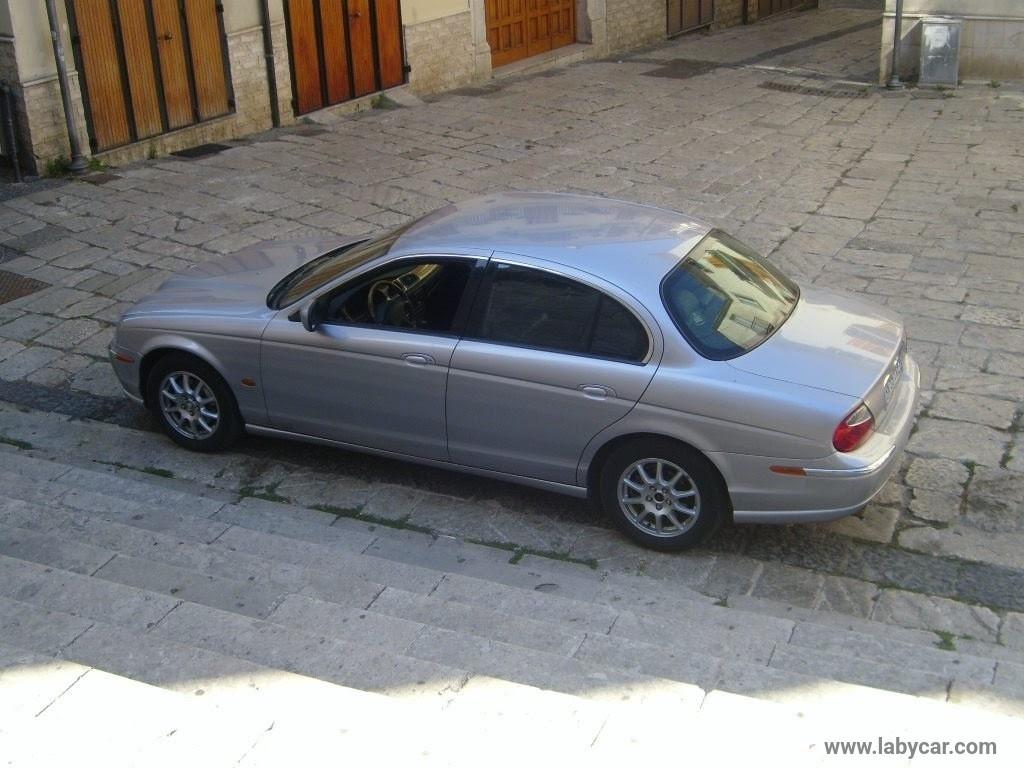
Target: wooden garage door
520,28
149,66
341,49
768,7
684,15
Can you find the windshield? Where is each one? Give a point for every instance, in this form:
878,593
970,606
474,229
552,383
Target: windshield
725,298
323,269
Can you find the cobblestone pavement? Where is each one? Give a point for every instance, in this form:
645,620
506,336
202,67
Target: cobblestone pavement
912,199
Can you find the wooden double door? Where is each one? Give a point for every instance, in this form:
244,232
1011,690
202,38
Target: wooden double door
517,29
684,15
149,66
342,49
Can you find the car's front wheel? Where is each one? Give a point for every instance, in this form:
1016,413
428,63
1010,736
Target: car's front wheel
662,494
193,404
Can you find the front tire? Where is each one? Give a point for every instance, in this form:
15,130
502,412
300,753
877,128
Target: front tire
662,494
193,404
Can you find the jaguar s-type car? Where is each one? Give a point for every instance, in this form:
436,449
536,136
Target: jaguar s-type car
598,348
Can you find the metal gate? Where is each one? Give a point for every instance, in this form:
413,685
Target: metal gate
149,66
687,15
342,49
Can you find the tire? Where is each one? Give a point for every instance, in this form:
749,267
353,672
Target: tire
697,498
192,420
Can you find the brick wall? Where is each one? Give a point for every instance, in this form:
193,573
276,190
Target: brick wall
440,53
632,23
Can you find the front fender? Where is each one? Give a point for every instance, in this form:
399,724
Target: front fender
234,358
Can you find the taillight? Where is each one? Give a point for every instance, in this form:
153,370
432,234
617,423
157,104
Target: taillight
854,429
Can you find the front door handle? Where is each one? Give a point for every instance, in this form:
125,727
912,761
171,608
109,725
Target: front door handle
596,391
415,358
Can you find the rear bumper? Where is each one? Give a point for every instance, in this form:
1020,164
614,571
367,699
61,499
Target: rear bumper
839,485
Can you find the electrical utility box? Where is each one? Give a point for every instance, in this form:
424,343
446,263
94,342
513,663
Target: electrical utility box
940,51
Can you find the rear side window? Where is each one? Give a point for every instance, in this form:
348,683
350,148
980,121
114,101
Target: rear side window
726,299
531,308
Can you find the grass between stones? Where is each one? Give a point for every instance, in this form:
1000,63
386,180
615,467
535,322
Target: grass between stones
148,469
21,445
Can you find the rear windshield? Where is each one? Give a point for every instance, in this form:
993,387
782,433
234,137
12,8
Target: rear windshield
726,299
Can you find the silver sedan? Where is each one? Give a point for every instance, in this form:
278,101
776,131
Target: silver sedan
592,347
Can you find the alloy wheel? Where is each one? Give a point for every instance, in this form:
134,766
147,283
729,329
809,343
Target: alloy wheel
658,497
189,405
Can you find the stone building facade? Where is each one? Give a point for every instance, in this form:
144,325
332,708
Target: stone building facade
445,44
991,37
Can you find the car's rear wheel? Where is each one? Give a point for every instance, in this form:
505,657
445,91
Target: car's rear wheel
193,404
662,494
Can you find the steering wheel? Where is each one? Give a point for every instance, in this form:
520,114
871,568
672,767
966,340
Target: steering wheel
387,291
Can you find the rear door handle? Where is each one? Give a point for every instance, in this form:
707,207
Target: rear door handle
596,391
415,358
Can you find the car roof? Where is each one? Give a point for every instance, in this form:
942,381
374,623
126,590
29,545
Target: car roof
619,241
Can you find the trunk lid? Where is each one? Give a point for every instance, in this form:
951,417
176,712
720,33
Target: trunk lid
831,341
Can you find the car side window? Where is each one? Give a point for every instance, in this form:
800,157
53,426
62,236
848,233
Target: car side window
532,308
413,295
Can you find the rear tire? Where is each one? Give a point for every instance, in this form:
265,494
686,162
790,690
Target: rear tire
662,494
193,404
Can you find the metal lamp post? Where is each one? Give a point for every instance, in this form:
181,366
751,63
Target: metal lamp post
894,71
78,165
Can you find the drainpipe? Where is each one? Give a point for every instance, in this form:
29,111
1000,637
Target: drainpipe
894,83
78,166
268,54
10,135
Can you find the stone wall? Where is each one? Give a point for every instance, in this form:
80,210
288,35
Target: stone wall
440,53
991,48
729,13
632,23
45,135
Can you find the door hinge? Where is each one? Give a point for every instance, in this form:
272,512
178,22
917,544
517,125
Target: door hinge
407,68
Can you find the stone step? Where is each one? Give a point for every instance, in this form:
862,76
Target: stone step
103,719
408,547
570,675
744,645
237,686
150,543
795,613
109,493
884,650
94,488
299,614
478,621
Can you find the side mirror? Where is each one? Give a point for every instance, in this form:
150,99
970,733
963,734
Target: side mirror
308,316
